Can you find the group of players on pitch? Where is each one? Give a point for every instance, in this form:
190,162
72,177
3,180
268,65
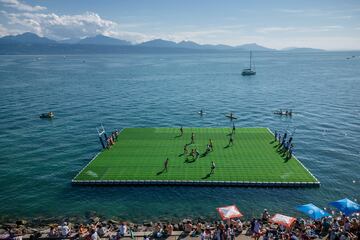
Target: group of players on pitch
285,145
194,153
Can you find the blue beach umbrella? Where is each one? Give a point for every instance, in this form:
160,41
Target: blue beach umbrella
346,206
313,211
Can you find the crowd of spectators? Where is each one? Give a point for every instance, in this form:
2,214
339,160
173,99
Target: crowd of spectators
338,227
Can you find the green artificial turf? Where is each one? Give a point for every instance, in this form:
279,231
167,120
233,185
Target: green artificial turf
139,154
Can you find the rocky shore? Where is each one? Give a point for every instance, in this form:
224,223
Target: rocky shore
39,228
338,226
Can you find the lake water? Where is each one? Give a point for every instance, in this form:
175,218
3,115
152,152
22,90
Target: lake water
40,157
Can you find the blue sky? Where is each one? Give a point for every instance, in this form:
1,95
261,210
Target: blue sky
333,25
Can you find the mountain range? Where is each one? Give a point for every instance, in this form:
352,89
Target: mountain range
26,38
32,43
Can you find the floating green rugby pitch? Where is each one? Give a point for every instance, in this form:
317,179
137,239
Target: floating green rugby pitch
138,158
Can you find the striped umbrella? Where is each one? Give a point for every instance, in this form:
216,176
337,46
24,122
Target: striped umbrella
229,212
283,220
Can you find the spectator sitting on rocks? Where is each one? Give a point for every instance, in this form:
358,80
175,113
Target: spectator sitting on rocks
101,230
94,235
355,227
15,235
257,229
310,233
82,230
53,233
347,224
188,227
217,234
64,230
325,226
208,232
239,226
199,227
335,225
265,216
333,234
232,231
122,230
203,235
281,229
158,233
302,225
169,229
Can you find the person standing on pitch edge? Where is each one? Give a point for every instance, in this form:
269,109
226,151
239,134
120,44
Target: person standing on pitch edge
192,138
212,167
211,145
275,136
185,150
231,140
166,163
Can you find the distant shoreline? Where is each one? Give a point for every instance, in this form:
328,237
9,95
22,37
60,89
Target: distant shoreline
66,49
76,49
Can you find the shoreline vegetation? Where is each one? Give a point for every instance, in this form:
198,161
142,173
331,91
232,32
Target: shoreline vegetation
93,227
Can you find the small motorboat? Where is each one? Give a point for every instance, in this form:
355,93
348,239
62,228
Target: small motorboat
48,115
284,112
201,112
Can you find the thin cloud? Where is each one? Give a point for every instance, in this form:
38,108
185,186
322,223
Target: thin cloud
291,10
18,5
3,31
347,43
133,37
330,14
235,26
347,17
268,30
191,35
274,29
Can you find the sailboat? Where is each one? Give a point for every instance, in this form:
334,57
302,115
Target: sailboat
249,71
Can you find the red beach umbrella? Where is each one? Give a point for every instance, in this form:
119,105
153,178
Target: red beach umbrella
229,212
283,220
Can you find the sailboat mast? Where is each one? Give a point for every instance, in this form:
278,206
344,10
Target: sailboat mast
250,59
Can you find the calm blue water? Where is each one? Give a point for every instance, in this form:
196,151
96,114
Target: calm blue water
40,157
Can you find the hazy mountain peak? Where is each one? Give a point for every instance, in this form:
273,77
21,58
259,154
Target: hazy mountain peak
159,43
302,49
254,47
103,40
27,37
